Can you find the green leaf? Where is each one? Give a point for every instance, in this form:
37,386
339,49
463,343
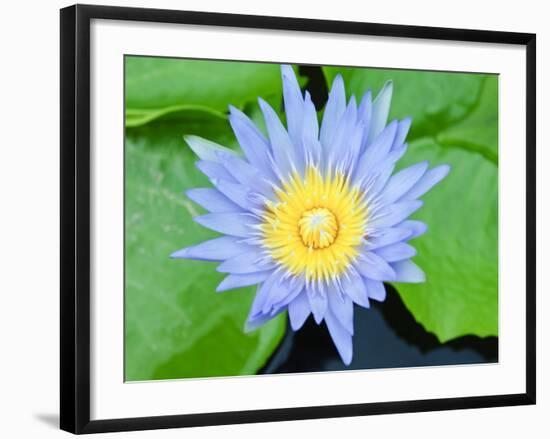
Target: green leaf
478,130
136,117
176,325
459,253
155,87
455,121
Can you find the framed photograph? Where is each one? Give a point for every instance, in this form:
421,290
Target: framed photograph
267,218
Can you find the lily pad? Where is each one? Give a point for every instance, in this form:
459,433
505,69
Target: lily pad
158,86
176,325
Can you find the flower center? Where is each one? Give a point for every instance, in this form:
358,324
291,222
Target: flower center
315,224
318,227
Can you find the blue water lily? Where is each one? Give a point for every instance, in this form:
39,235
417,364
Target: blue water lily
313,215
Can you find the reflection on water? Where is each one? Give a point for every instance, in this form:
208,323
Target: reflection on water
386,336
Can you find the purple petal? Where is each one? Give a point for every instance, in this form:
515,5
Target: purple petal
294,103
212,200
430,179
262,294
252,261
296,286
283,149
364,114
339,143
397,152
402,131
247,175
416,228
216,249
403,181
352,285
271,294
380,111
312,150
254,323
379,148
236,192
281,288
341,307
395,213
214,171
253,143
408,271
242,280
317,302
372,266
396,252
388,237
311,124
382,175
234,224
383,170
205,149
336,105
341,338
299,311
375,290
349,160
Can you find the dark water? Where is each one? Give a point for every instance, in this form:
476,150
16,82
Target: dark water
386,336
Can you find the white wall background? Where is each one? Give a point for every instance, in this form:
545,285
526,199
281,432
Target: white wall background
29,206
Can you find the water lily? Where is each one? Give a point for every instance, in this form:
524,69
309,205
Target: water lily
314,215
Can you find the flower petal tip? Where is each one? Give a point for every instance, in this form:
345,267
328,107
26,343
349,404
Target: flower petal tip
220,288
250,327
188,138
263,104
180,254
189,192
445,169
295,327
287,72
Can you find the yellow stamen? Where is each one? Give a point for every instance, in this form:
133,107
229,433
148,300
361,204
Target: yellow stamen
318,227
315,225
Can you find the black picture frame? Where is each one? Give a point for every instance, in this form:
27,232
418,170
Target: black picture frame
75,217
